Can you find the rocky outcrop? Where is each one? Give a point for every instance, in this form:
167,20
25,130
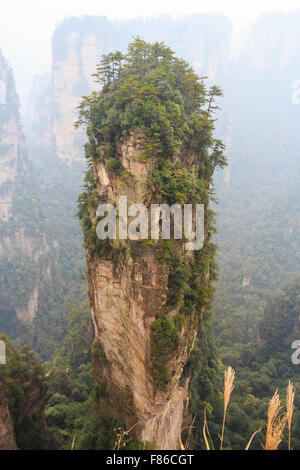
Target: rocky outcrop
24,268
124,305
127,293
13,155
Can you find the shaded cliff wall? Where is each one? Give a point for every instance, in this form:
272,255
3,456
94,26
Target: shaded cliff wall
25,268
14,158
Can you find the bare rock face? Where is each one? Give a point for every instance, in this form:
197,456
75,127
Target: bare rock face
66,78
124,310
126,295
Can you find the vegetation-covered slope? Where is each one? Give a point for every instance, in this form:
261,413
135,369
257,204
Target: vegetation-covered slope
262,366
24,394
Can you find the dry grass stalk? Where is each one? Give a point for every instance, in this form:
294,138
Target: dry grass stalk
228,387
122,437
205,428
185,446
275,424
181,445
290,395
251,439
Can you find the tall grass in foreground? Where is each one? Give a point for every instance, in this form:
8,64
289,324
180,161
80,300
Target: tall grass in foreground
275,423
228,387
276,418
290,395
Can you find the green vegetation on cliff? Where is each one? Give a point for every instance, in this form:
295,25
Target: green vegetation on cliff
150,89
70,381
25,390
151,92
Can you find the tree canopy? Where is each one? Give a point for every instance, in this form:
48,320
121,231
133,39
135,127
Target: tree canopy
151,89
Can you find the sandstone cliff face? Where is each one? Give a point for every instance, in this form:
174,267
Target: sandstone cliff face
123,310
23,246
67,78
13,156
126,295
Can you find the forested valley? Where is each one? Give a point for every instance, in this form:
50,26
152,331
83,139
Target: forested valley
229,140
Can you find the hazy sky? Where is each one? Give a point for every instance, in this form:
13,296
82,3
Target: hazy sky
26,26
